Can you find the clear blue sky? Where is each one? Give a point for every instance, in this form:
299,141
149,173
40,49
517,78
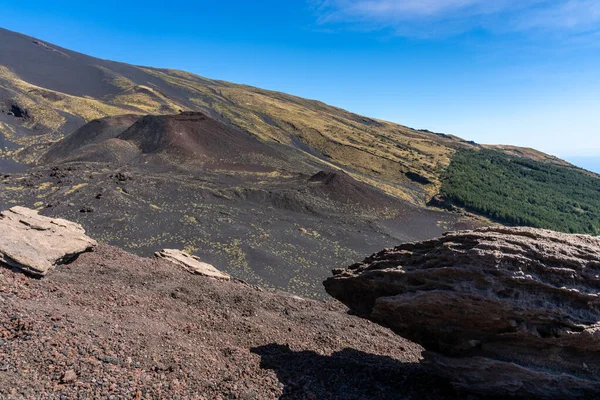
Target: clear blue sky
519,72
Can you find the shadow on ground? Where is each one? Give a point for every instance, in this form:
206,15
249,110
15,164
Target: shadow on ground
349,374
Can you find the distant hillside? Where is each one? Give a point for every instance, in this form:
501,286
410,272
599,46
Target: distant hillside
189,137
88,136
528,153
54,91
47,92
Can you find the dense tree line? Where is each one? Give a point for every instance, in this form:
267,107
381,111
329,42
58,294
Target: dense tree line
520,191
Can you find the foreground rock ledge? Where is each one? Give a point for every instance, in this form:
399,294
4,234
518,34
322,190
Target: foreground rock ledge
501,311
36,244
191,263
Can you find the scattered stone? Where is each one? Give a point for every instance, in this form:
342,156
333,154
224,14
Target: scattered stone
123,176
191,263
36,244
440,201
501,311
69,377
87,210
418,178
18,112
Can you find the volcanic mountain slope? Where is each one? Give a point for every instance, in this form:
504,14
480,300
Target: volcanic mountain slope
278,229
193,135
47,92
90,134
340,187
191,138
264,212
180,142
57,91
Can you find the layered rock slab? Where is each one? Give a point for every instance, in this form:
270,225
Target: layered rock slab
501,311
191,263
37,244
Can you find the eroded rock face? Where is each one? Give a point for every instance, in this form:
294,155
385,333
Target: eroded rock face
501,311
191,263
36,244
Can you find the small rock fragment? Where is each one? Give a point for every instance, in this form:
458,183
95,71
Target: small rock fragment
191,263
69,376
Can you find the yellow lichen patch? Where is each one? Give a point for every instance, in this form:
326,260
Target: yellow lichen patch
43,104
147,99
189,249
45,185
46,189
190,219
309,232
75,188
115,79
7,130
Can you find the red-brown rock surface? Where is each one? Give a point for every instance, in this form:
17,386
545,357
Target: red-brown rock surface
502,311
113,325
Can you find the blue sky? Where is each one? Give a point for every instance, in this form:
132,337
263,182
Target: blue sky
515,72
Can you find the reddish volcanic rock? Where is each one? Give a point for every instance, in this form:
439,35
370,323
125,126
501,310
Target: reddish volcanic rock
502,311
113,325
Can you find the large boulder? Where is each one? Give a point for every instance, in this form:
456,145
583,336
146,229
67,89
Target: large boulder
501,311
191,263
36,244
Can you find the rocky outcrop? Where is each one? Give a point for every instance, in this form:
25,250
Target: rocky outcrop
501,311
191,263
36,244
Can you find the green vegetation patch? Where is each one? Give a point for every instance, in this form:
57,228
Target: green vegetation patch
520,191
